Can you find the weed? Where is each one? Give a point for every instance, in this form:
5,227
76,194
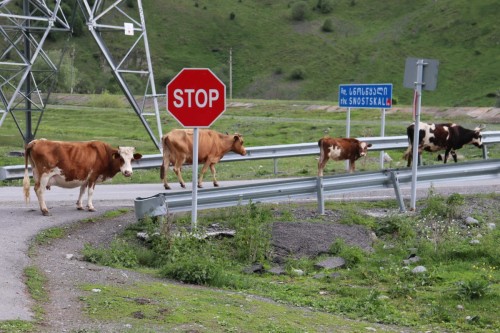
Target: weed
352,255
253,237
473,289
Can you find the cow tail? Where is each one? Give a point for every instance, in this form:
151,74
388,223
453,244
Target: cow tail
26,179
162,168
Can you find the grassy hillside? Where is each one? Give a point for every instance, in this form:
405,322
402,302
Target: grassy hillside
368,43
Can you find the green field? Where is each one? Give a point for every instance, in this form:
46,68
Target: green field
262,122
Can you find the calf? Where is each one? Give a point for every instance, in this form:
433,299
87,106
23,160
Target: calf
74,164
339,149
447,137
212,146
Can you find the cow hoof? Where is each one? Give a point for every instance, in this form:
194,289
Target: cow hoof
183,185
166,187
79,208
216,184
92,209
45,213
200,186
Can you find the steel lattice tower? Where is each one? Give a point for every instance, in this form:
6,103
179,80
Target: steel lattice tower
28,73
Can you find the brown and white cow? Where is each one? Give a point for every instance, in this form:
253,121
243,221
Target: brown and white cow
447,137
339,149
212,146
74,164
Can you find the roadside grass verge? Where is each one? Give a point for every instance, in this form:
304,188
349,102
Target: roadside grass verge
459,290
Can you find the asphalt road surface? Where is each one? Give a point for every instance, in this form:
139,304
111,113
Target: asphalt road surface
20,222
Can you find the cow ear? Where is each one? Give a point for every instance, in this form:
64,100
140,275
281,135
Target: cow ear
480,127
236,137
137,156
369,145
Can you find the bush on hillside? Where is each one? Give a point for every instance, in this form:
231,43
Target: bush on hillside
299,11
327,25
325,6
298,73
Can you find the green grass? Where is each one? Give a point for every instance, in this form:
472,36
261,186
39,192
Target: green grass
264,123
459,291
370,43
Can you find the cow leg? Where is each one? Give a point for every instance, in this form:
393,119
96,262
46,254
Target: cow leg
212,169
321,165
90,206
39,189
454,155
352,166
79,204
202,173
178,172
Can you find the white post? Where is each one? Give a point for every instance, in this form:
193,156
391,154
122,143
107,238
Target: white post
348,133
231,73
414,165
382,134
194,205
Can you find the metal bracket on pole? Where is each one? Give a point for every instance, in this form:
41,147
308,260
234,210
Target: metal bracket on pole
397,191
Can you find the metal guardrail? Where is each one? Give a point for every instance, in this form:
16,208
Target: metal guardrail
315,186
273,152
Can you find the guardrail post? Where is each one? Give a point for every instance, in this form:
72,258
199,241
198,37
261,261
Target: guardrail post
397,190
275,160
485,152
319,192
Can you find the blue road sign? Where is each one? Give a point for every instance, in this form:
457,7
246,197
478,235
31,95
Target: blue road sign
369,96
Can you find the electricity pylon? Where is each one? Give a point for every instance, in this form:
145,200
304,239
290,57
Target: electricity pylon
28,74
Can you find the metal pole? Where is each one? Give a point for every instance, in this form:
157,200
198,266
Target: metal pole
319,192
194,206
27,53
418,91
231,73
348,132
382,134
150,70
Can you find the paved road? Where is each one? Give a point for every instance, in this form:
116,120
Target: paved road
20,222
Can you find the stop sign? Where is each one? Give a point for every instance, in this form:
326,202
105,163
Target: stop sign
196,97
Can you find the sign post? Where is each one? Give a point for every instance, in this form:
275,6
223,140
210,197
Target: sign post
366,96
419,74
196,97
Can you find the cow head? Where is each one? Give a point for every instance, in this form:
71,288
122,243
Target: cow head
238,145
126,155
363,148
477,138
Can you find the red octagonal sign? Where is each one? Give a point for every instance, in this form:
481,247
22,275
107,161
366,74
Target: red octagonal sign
196,97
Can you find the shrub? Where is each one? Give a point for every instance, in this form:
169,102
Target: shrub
252,241
473,289
396,225
352,255
325,6
299,11
298,73
327,25
106,100
194,269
